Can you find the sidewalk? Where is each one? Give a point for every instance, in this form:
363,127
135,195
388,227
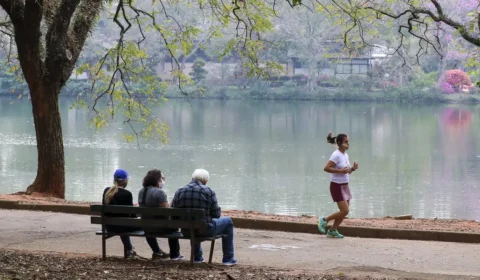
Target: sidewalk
44,231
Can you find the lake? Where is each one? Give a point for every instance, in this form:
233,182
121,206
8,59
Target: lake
269,156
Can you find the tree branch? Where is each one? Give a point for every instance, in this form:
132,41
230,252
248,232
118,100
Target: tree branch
438,7
84,18
27,38
441,17
15,10
57,51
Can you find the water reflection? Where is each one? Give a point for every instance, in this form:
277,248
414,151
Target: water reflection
269,156
455,164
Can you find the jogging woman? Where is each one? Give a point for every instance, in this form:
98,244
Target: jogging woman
340,169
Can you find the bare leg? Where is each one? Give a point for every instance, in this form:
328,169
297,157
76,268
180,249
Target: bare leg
348,202
340,215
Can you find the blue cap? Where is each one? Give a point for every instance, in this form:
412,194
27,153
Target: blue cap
120,174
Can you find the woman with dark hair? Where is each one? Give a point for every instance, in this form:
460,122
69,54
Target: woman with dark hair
339,168
152,195
118,195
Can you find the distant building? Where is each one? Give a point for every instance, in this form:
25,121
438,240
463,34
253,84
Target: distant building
340,64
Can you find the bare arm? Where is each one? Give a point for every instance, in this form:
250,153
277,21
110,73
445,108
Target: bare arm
355,167
330,168
164,205
163,200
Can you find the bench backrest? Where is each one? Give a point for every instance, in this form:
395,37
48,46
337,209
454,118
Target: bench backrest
179,217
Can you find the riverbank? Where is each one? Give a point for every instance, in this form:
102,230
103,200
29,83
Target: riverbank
388,95
418,224
406,95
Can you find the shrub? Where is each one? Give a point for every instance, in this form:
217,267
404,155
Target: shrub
456,81
198,72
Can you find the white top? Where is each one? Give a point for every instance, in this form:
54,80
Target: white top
341,161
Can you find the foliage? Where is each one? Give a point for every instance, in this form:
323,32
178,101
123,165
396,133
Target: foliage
295,80
51,34
393,94
420,27
425,80
198,72
446,88
132,90
455,81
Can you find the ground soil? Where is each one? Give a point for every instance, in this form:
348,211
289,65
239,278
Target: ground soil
16,265
44,265
384,222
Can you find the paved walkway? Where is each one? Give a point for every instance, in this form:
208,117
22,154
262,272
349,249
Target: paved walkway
45,231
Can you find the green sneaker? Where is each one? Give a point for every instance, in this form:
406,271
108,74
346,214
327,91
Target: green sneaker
322,225
334,234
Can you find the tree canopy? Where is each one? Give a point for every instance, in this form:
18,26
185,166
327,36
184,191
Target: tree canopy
46,38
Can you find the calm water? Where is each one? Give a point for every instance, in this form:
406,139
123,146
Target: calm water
269,156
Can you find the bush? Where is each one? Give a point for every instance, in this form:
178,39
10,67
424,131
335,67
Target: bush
425,80
329,82
358,83
455,81
198,72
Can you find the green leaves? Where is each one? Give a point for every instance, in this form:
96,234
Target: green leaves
123,87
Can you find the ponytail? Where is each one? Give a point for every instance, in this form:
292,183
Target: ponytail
111,193
331,139
336,139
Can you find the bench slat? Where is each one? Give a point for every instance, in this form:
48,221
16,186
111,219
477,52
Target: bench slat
151,223
178,212
140,233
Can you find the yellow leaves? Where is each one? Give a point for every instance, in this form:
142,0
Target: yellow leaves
99,121
125,89
128,137
155,128
80,103
83,68
320,8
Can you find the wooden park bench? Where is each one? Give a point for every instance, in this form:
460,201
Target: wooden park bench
191,220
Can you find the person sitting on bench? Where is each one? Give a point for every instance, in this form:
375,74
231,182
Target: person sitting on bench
152,195
198,195
118,195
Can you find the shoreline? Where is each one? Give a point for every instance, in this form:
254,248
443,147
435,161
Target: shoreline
248,219
390,96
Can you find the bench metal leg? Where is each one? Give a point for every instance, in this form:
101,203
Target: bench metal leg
104,248
192,245
192,251
211,251
124,252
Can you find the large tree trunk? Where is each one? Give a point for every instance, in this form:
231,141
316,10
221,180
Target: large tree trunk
50,180
47,60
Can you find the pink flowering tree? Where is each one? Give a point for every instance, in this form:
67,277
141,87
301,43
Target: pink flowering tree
445,27
455,81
